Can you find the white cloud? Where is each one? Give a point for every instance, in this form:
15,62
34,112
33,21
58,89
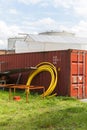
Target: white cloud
31,25
42,24
78,6
13,11
46,21
63,3
3,44
80,29
56,3
7,31
45,4
47,24
30,1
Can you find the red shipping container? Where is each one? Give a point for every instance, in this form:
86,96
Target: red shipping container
72,77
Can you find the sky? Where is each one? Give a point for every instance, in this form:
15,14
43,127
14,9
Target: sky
36,16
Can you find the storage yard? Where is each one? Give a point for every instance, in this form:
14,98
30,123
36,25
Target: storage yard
43,65
70,64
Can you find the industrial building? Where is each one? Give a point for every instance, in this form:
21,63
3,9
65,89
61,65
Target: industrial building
46,41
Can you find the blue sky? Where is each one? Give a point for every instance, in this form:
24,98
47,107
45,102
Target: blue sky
35,16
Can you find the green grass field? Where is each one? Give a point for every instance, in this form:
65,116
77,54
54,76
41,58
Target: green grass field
51,113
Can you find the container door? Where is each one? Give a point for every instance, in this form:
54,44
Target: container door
78,74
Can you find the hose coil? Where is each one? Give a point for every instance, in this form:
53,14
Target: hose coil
45,66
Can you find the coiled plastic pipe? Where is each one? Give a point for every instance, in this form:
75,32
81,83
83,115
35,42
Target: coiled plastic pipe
45,66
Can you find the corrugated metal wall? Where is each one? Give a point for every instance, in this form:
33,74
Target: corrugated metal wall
59,58
72,79
24,47
79,74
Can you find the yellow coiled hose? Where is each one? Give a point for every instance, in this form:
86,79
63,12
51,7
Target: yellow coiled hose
46,66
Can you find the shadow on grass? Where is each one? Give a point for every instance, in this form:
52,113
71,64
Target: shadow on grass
65,119
73,118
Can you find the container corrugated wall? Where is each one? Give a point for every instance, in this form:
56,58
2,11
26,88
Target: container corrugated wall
72,79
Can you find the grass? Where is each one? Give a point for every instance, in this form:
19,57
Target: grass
54,113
